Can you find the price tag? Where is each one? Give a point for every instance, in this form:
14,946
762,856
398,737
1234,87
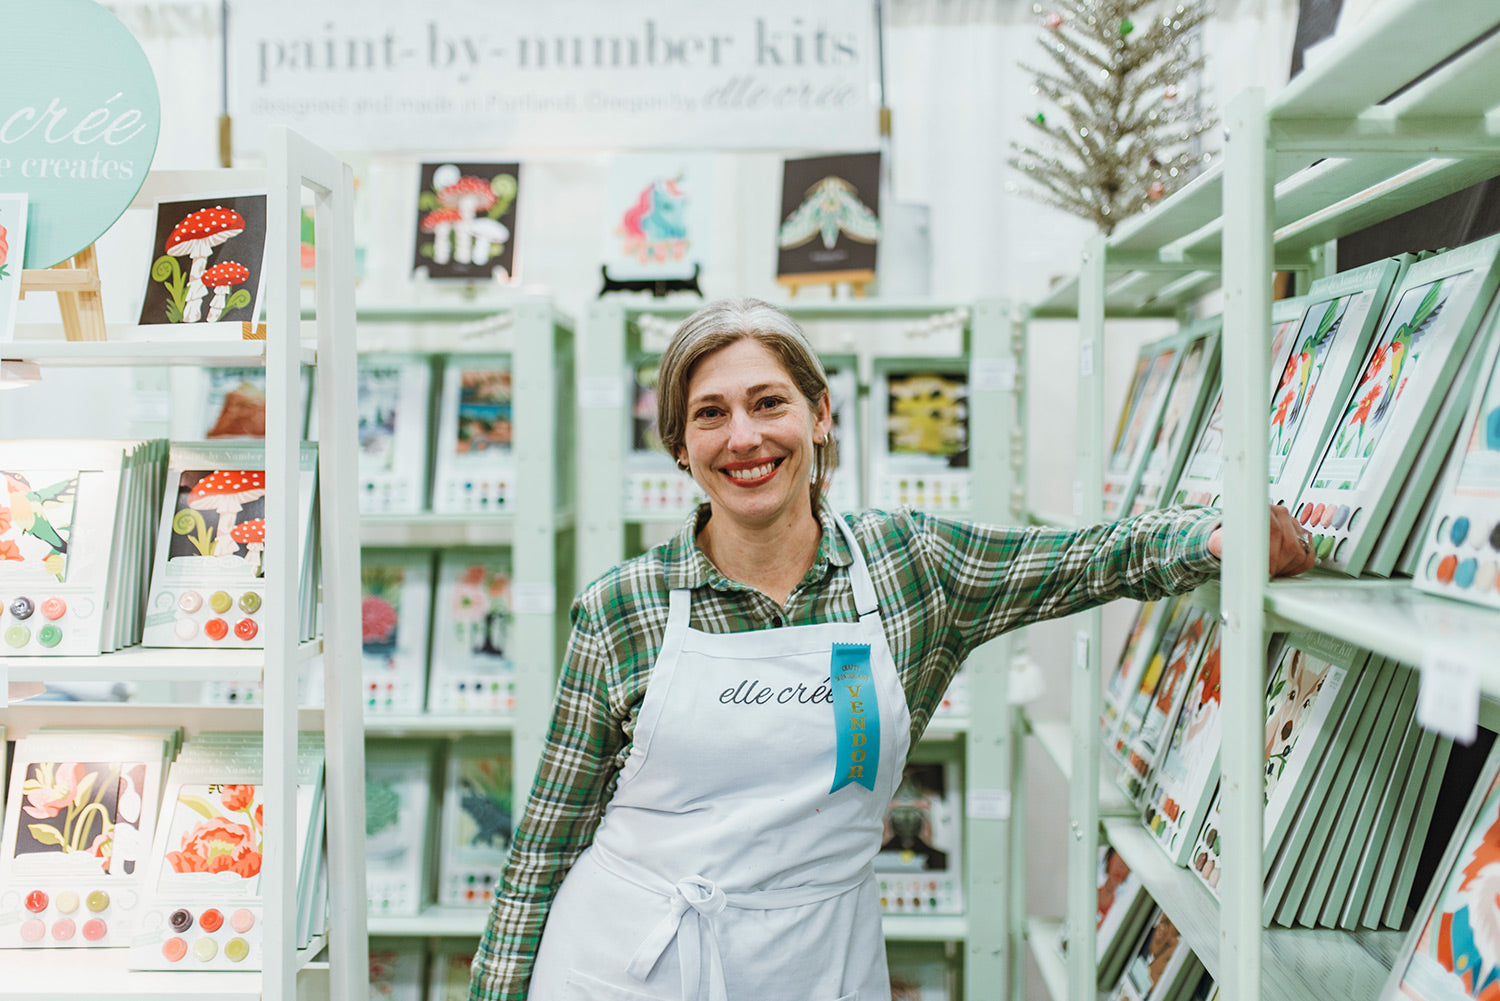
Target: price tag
1081,649
988,804
1448,696
1086,358
601,392
993,374
532,599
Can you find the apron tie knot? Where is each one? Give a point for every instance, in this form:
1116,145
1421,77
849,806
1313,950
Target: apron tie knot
696,901
702,895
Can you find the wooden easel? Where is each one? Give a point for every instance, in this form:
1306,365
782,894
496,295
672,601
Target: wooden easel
856,280
76,282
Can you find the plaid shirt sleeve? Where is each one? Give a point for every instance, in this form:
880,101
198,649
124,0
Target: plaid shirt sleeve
995,579
574,778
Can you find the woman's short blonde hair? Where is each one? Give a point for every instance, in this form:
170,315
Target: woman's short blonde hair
719,324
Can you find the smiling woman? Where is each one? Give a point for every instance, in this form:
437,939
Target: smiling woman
736,706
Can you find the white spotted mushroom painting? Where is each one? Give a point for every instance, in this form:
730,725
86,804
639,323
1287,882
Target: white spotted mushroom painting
465,220
209,511
209,259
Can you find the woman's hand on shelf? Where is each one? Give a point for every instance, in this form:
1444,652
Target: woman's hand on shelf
1291,549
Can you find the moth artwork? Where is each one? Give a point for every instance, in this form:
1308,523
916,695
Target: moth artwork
208,261
830,220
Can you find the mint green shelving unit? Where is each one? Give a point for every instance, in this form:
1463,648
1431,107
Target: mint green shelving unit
1333,153
540,528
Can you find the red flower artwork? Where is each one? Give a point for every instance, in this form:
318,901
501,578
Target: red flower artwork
1281,409
237,797
218,845
1363,410
377,620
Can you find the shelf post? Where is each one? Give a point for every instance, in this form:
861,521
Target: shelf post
534,566
1088,504
1247,320
989,959
279,776
603,413
343,702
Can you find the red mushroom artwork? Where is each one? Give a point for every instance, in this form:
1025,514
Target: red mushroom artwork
224,492
466,216
194,240
252,535
440,223
469,196
221,278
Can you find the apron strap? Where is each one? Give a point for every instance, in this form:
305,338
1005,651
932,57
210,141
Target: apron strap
859,571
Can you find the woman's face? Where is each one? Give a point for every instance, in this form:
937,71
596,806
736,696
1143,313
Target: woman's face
749,434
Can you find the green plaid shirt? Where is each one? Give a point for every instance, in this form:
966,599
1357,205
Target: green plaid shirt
944,588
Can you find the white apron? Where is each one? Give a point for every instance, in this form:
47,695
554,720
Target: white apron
723,868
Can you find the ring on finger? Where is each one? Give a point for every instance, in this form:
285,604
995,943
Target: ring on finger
1306,542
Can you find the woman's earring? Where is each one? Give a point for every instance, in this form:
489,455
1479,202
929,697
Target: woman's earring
683,466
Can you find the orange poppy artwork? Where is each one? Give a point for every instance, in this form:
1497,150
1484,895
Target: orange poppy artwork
217,829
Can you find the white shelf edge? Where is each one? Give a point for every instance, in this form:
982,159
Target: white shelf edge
434,921
924,927
27,717
425,725
1301,963
1391,618
46,346
153,664
1041,935
891,309
92,974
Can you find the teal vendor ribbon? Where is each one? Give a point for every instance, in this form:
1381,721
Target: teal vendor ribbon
856,716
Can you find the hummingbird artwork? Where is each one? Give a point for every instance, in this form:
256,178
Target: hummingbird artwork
1302,372
32,512
1405,341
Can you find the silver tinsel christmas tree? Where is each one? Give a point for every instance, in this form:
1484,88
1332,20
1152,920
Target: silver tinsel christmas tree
1124,129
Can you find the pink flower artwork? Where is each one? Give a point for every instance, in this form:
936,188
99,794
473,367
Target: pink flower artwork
377,620
47,798
470,603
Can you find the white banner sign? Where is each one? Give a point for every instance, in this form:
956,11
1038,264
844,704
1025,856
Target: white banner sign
564,74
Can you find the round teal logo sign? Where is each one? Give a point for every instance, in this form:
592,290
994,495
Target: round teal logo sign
78,121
